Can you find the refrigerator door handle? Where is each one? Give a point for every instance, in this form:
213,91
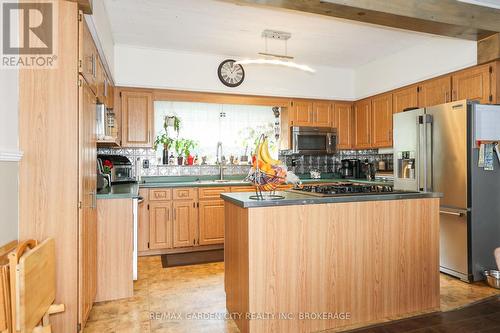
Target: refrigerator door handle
420,165
428,152
451,213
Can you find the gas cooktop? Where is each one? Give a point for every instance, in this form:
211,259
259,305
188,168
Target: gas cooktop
344,188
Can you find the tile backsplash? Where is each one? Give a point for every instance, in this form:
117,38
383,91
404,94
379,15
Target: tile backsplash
138,155
303,164
299,164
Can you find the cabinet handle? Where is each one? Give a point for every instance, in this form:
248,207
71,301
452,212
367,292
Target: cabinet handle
454,95
446,97
459,214
174,214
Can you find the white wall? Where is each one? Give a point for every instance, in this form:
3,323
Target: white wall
155,68
9,102
100,26
436,57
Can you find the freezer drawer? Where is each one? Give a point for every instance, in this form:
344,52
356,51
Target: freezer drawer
453,243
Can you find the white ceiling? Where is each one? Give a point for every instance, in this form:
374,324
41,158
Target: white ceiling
210,26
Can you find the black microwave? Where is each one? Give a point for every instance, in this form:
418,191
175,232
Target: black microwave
314,140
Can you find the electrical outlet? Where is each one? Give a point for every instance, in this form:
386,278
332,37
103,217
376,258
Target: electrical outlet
145,164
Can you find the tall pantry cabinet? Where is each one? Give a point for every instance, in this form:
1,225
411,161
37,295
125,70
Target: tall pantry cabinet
57,174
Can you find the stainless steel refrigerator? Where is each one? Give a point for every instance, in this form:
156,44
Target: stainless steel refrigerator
435,150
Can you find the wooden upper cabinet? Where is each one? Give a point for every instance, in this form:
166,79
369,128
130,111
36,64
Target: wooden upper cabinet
473,84
211,222
137,118
434,92
302,113
405,98
87,54
322,114
110,94
362,124
184,224
343,121
160,225
381,131
101,83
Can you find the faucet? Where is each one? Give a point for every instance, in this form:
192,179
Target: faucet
220,160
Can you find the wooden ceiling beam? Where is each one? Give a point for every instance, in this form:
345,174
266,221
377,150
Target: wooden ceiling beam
84,5
488,49
440,17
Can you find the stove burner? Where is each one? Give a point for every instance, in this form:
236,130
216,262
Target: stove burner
345,188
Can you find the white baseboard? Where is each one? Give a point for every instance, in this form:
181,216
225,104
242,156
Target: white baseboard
10,156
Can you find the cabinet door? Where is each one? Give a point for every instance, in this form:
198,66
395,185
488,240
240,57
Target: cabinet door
473,84
87,55
343,121
302,113
362,124
110,94
381,131
101,82
405,98
211,222
160,225
87,222
143,222
137,119
322,114
434,92
185,219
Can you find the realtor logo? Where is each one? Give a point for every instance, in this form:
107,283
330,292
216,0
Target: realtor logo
28,34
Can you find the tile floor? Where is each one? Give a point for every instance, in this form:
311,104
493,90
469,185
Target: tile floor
200,288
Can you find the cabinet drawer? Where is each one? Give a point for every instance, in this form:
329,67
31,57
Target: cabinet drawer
248,188
184,193
211,192
160,195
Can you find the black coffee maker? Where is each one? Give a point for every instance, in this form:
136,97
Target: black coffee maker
351,168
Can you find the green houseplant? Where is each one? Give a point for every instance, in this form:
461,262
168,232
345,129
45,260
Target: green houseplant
164,139
179,149
189,145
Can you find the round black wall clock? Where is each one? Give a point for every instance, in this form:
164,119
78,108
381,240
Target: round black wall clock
230,74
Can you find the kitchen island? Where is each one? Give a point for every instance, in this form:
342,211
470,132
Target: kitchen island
306,264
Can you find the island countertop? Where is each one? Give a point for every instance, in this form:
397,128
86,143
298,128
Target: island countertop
293,198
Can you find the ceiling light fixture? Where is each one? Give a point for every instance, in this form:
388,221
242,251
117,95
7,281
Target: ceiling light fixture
276,59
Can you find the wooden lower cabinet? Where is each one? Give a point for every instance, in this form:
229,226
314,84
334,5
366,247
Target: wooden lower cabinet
143,221
211,222
160,225
184,224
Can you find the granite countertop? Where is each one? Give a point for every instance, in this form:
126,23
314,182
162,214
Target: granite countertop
119,191
123,191
242,199
210,181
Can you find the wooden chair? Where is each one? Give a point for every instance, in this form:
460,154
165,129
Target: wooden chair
33,286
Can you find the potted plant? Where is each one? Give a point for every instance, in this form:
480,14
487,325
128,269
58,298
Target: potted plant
179,149
188,146
164,139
